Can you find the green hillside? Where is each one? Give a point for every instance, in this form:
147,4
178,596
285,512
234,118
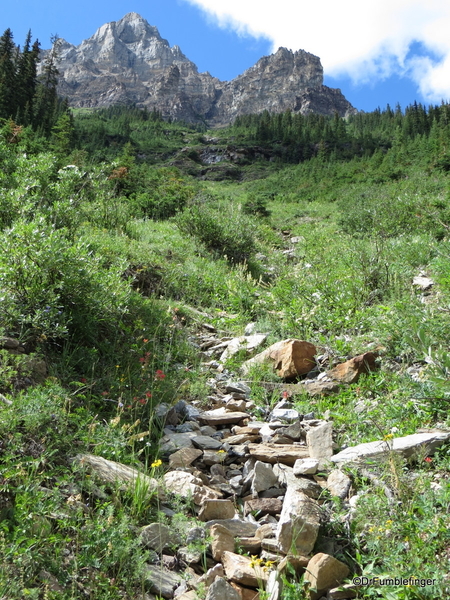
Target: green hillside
122,234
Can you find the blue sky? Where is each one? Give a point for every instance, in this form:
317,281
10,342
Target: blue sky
388,52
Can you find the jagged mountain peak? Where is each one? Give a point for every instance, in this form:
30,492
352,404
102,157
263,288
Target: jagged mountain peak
128,62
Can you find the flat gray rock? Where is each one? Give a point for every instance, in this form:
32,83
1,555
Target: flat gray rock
405,446
205,442
162,581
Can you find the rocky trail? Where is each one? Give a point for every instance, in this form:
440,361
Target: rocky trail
261,483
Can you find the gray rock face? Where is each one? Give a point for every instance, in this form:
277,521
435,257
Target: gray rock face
127,62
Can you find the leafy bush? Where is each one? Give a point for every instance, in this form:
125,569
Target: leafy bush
225,231
52,288
257,205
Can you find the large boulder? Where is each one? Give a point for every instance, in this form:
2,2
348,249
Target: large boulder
290,358
351,370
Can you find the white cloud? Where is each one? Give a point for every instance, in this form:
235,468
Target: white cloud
366,40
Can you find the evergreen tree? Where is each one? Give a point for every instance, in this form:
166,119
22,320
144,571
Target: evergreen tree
8,104
46,98
27,80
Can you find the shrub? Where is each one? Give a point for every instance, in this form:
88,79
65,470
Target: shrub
257,205
51,288
225,231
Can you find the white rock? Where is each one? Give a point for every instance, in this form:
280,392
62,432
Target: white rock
306,466
406,446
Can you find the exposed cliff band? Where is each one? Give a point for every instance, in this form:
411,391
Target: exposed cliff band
127,62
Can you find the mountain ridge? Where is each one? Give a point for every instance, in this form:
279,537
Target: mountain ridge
128,62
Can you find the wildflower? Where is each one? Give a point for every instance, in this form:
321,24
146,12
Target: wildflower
387,437
104,393
148,394
156,463
428,459
221,451
160,374
142,401
142,359
145,341
120,405
83,379
389,522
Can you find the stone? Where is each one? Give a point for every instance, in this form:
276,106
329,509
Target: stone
240,387
253,428
245,593
290,358
211,575
284,414
36,367
222,540
242,438
278,453
190,595
306,466
249,343
338,483
222,590
251,545
158,536
165,415
265,531
205,442
216,509
294,431
171,442
324,572
189,556
423,282
237,527
273,586
111,472
213,457
263,506
299,523
405,446
297,562
262,477
184,457
242,570
187,485
208,430
195,534
351,370
320,441
220,416
162,581
9,343
321,388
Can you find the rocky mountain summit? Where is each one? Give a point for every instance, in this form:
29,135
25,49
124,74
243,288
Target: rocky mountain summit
127,62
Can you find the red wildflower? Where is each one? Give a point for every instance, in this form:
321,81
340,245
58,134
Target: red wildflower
142,401
148,394
83,379
160,374
145,341
428,459
142,359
